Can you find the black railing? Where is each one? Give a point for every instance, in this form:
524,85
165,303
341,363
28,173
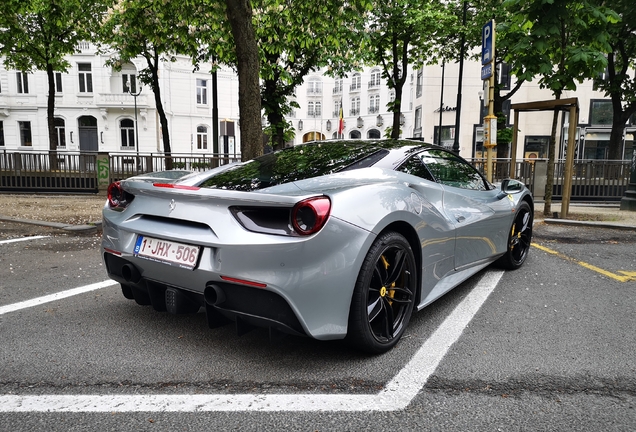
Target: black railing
78,172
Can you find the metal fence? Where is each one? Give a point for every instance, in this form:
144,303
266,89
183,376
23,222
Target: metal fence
77,172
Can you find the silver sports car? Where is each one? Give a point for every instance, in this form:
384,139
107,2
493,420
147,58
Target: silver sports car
329,239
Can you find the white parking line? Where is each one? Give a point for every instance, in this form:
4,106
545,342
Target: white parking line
57,296
396,395
22,239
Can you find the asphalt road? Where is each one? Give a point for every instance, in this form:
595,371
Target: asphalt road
551,348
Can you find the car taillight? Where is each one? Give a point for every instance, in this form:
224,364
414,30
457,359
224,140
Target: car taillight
118,198
310,215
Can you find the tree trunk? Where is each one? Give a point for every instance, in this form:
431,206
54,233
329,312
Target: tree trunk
239,13
153,65
50,117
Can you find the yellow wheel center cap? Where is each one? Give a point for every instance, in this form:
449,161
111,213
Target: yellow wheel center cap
382,291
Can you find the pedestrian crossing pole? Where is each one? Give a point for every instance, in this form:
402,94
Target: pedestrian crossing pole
488,76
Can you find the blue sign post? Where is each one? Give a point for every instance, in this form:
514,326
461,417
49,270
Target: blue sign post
487,48
487,73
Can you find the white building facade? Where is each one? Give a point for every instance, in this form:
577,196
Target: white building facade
363,97
100,109
593,128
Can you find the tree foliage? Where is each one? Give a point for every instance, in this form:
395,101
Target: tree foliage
403,33
619,83
40,34
561,42
297,37
155,30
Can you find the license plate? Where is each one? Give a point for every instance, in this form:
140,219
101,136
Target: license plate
166,251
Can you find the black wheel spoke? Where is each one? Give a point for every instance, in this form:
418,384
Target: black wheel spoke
397,267
388,319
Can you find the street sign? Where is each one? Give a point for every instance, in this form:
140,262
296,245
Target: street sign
487,36
486,71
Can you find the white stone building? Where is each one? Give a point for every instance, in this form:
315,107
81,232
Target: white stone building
95,107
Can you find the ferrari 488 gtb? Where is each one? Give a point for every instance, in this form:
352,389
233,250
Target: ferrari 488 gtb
328,239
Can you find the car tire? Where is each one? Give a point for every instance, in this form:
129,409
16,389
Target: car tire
519,238
384,295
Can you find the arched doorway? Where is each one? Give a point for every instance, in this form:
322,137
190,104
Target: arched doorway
373,134
87,126
313,136
355,134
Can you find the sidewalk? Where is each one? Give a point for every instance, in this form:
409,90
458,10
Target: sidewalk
599,215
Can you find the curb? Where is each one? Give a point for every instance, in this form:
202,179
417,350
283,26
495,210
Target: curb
93,228
610,225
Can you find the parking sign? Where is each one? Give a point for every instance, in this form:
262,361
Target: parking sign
487,45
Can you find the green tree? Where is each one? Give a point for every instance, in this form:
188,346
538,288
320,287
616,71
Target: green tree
618,83
403,33
156,30
297,37
39,34
562,42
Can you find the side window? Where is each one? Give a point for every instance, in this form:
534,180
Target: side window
449,170
414,166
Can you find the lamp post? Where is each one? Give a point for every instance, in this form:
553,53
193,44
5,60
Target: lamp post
134,95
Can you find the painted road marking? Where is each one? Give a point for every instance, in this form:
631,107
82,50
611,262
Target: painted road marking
626,277
57,296
396,395
22,239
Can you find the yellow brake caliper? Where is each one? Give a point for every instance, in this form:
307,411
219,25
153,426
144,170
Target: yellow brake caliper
383,290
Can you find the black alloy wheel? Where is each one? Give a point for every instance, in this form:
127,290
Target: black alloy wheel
384,295
519,239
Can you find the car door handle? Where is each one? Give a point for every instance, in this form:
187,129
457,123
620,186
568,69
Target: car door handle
460,218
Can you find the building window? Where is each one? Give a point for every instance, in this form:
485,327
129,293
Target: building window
127,131
60,132
374,134
374,104
503,76
601,112
85,78
374,82
337,87
419,82
536,147
392,95
355,134
202,92
23,82
337,106
448,136
58,82
129,83
418,119
314,87
314,109
603,76
356,82
1,133
355,107
202,138
25,133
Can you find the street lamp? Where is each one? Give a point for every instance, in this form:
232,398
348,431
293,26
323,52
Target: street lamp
134,95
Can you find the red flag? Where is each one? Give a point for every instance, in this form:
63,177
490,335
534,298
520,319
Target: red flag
341,123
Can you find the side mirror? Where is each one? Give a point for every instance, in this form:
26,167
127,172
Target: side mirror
510,186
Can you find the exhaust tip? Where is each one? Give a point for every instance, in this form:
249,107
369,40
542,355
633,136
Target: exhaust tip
130,273
213,295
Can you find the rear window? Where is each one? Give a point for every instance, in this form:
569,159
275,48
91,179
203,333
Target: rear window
299,163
